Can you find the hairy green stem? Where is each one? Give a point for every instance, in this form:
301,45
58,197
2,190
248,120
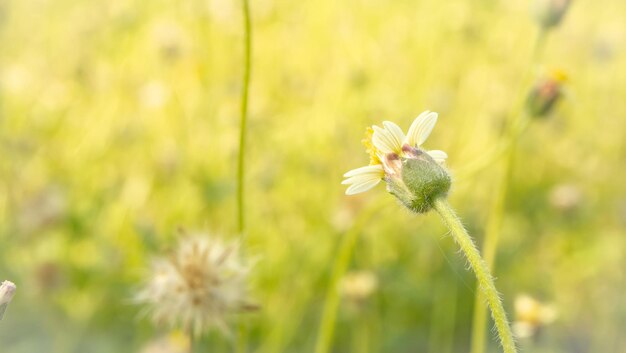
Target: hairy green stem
517,125
494,224
483,276
244,115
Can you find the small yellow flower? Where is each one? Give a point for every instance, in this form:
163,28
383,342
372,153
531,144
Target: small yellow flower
359,285
559,75
530,315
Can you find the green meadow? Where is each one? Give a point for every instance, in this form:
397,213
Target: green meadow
119,133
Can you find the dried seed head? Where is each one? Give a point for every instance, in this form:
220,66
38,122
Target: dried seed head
197,287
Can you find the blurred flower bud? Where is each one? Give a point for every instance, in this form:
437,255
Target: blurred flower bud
49,276
359,285
530,315
169,39
549,13
46,208
545,94
7,290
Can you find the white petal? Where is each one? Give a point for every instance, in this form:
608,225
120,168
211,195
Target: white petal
364,175
358,188
395,131
384,141
421,128
410,137
361,179
438,156
370,169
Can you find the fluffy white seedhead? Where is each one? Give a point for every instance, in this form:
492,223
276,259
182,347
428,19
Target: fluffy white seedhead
198,286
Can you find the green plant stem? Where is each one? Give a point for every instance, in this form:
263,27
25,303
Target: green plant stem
518,124
242,341
244,115
361,338
342,260
443,317
483,276
492,233
192,342
488,159
329,315
494,224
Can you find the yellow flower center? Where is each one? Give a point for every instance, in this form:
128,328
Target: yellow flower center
559,75
369,146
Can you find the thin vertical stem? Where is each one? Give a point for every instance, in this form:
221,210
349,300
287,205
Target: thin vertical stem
331,304
494,224
496,213
514,124
361,342
483,276
192,342
244,116
443,317
329,314
242,342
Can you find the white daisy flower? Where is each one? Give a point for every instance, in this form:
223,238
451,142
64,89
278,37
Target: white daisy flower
386,145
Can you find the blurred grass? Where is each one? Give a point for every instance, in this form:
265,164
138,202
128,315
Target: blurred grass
118,124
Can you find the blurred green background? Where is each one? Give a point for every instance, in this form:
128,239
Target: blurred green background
119,124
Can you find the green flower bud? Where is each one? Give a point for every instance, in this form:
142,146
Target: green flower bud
418,179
